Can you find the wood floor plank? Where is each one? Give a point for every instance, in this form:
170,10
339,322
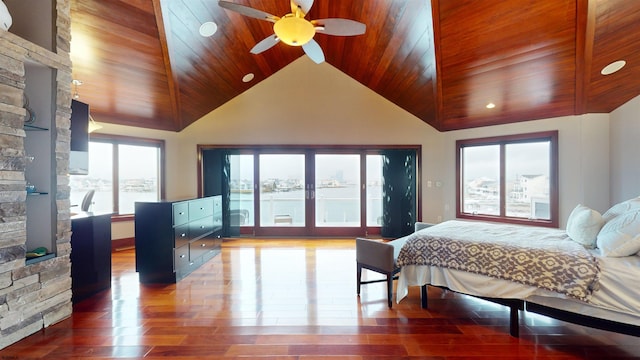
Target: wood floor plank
294,299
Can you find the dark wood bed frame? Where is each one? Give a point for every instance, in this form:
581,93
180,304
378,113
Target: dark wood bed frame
516,304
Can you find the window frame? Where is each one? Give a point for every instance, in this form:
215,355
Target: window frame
116,140
502,141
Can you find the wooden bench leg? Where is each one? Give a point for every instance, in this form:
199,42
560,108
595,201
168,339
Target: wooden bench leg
390,276
389,289
358,278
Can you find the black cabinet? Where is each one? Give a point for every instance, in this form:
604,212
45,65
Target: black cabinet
90,254
173,238
79,155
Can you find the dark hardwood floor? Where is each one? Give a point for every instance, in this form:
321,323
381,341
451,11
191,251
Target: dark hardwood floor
296,299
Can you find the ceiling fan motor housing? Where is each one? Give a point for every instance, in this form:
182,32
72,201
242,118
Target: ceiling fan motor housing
293,30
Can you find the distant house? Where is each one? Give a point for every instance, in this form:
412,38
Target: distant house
482,187
526,187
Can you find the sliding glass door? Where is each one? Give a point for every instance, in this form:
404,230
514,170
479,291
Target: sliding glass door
282,194
305,192
337,190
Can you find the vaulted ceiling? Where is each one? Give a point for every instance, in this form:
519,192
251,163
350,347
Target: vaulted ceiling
143,62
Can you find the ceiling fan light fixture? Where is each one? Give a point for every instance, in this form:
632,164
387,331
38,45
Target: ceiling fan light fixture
293,30
613,67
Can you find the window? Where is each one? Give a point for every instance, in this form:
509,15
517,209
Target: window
122,170
509,178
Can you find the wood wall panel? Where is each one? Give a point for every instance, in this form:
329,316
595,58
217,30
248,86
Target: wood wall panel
617,37
144,64
518,55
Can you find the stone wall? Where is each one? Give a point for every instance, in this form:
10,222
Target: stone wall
32,296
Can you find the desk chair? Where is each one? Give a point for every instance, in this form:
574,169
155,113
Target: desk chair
87,200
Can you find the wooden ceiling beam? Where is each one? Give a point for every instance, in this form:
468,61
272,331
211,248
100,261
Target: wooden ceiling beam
585,34
172,83
437,83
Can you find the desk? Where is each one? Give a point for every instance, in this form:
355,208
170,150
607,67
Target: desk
90,254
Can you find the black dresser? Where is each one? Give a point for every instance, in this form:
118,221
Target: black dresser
173,238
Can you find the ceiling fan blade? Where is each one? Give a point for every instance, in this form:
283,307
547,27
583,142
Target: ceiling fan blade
304,5
248,11
341,27
313,51
265,44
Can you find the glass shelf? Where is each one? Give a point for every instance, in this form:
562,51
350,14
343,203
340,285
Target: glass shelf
34,260
36,193
28,127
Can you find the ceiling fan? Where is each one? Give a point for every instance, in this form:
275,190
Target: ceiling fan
293,29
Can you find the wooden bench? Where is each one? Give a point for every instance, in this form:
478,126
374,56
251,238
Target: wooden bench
380,256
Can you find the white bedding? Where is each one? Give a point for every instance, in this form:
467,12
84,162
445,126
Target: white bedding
618,296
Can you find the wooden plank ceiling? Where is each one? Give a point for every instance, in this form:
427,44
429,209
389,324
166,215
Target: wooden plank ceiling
143,63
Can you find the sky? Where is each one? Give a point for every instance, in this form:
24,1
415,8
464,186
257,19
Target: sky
522,159
135,161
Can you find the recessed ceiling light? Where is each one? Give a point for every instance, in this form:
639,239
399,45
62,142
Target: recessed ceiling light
491,105
207,29
613,67
248,77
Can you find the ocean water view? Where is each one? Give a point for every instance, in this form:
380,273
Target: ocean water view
334,206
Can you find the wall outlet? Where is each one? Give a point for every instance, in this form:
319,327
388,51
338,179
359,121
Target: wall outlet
439,218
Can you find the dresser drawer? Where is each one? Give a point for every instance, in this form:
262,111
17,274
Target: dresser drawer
181,235
200,227
181,255
180,213
200,208
217,203
201,247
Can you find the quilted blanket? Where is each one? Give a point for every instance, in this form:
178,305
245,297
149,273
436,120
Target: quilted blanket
536,256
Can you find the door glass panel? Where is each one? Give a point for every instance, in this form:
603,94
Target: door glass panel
282,192
374,190
481,179
337,196
241,186
138,176
527,180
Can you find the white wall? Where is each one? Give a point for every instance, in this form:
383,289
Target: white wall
305,103
625,151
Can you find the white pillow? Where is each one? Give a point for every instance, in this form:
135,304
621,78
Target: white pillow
621,208
583,226
620,236
5,17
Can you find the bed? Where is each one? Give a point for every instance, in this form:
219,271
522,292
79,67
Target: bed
596,286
